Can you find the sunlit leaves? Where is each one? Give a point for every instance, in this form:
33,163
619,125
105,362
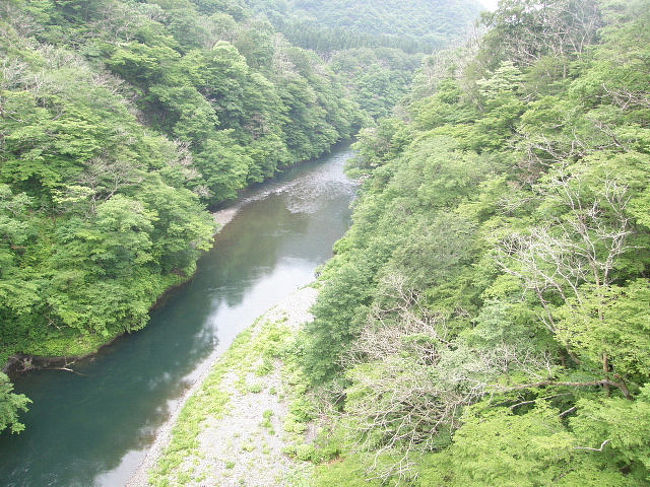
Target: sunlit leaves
10,405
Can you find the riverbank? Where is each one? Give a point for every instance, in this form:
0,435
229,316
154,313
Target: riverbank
84,347
110,411
239,422
61,351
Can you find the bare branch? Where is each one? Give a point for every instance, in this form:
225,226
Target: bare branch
602,446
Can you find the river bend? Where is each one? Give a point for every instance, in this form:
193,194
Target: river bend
94,427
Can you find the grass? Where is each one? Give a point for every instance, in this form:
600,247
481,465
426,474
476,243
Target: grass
262,343
255,354
266,421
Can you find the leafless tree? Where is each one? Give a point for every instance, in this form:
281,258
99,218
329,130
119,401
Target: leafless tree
532,29
582,246
420,378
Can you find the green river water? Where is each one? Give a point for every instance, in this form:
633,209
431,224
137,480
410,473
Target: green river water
93,428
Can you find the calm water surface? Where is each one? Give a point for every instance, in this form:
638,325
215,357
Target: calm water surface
93,429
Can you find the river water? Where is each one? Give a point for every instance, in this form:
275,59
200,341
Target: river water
93,428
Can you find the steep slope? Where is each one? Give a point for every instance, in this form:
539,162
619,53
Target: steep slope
374,46
120,122
484,322
412,25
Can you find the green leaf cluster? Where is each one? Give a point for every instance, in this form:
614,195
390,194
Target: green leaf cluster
412,26
485,319
120,123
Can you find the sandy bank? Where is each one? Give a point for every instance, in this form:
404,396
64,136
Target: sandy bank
247,441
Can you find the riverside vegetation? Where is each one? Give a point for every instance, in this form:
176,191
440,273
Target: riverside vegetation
485,320
122,121
247,421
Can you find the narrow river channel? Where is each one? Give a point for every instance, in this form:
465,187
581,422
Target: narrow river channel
94,427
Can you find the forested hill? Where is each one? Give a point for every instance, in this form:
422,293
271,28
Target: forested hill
374,45
485,320
121,121
409,25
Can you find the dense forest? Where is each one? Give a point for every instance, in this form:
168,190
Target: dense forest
121,123
485,320
412,26
374,46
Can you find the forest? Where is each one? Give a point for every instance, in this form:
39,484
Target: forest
413,26
121,124
485,320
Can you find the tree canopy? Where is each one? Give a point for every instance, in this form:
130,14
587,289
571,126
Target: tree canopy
121,123
484,321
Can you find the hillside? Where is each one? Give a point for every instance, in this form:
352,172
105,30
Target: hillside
412,25
485,320
121,123
374,46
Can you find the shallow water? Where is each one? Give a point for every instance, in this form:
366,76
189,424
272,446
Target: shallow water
94,427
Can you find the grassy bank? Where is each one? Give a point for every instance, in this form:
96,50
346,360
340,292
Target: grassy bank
251,421
248,422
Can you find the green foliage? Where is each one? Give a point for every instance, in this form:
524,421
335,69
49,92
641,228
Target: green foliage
377,78
484,321
622,423
497,447
337,322
346,473
378,145
374,46
613,322
224,165
413,26
100,212
10,405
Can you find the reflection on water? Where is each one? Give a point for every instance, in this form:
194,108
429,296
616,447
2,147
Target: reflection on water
93,428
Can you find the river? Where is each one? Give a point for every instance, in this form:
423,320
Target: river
93,427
